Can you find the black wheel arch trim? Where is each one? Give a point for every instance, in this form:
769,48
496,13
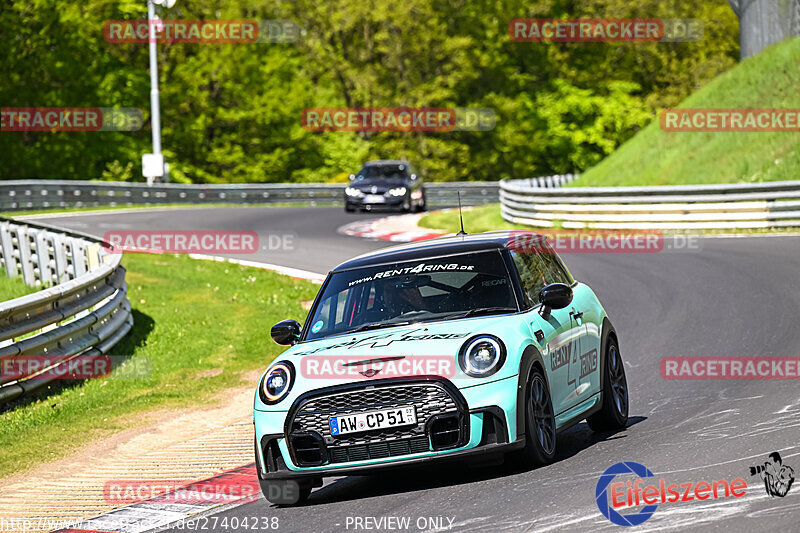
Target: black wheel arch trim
607,331
530,356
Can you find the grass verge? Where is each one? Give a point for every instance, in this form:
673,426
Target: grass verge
201,324
476,220
11,288
654,157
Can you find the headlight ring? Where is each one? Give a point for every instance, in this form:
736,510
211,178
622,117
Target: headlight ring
277,382
482,356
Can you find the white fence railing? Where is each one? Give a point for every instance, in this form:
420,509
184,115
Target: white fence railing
82,308
741,205
37,194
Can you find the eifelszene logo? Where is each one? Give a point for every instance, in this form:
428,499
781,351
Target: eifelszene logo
632,494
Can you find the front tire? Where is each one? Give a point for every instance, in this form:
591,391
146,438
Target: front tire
614,414
278,497
422,204
540,423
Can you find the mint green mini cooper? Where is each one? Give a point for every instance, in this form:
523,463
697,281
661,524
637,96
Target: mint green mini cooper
470,347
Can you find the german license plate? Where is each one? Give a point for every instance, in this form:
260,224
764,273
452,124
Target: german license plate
385,418
374,199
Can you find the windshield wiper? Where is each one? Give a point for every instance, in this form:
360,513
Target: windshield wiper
379,325
482,311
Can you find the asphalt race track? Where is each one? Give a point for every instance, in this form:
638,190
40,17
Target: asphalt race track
730,297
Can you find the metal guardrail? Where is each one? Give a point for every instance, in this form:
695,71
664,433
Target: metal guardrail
733,206
83,308
38,194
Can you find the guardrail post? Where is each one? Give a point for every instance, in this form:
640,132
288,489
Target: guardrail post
60,258
9,260
24,247
43,258
93,256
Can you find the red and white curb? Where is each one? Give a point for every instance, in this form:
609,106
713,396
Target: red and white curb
234,487
402,228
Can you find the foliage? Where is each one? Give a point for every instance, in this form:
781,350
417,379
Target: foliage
655,157
231,112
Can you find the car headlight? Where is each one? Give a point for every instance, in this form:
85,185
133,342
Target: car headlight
397,191
352,191
277,382
482,356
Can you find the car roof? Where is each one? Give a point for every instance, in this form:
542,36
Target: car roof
382,162
451,244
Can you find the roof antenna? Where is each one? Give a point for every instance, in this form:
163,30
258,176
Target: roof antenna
461,218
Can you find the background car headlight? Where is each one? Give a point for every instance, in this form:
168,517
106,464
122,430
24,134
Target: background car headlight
398,191
352,191
482,356
277,382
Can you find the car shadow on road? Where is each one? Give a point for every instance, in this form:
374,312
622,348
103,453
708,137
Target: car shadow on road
414,479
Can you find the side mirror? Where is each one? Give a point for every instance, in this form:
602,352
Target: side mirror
554,296
286,332
413,177
352,177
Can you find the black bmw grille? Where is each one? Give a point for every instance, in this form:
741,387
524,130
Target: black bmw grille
429,399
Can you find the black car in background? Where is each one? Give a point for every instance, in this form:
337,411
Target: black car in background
385,184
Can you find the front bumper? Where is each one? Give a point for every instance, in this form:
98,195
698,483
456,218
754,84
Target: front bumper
361,201
483,429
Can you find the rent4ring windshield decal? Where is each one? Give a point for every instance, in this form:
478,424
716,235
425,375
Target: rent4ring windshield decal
417,269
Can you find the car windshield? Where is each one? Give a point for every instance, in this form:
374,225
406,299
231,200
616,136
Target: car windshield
456,286
383,172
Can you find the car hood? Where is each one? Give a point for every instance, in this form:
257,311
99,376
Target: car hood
415,350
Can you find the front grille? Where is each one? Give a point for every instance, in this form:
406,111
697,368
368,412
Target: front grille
430,399
378,450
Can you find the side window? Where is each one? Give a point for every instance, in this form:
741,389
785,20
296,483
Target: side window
537,270
555,266
338,311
